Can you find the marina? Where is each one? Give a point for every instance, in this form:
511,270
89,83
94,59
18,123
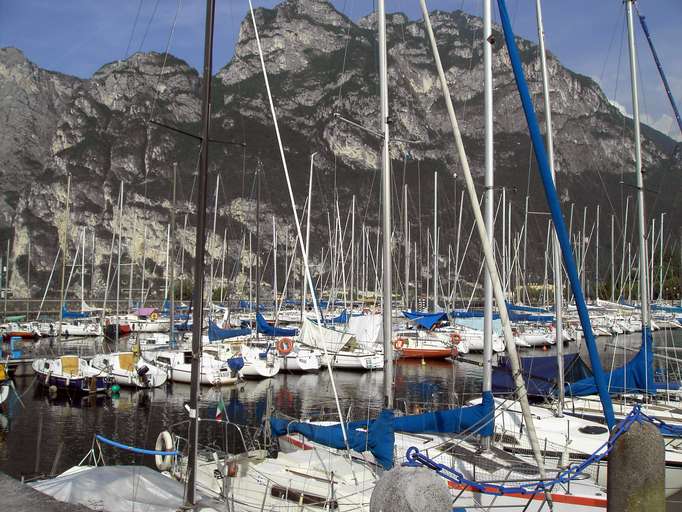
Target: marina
311,279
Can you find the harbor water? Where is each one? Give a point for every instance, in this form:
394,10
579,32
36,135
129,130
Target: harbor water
42,434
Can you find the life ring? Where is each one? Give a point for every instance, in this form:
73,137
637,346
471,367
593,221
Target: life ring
164,443
154,316
399,343
285,346
455,338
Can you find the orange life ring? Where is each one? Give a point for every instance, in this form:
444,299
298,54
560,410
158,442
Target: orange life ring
455,338
399,343
285,346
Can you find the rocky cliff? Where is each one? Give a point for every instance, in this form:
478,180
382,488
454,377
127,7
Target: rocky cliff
322,67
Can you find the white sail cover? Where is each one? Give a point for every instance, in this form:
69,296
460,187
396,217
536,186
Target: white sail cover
115,489
367,329
320,337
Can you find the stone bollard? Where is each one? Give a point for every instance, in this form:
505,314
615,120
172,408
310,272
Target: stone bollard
410,489
636,470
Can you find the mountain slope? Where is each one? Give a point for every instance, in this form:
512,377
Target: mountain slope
320,63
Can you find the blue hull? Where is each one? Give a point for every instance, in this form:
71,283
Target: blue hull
75,384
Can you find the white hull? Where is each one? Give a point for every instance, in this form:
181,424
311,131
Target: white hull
306,361
108,365
354,361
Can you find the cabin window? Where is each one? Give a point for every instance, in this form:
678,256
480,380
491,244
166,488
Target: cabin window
188,358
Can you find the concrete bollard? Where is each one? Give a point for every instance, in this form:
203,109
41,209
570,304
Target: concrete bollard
636,470
410,489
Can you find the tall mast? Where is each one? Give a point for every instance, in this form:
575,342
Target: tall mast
65,243
212,239
257,244
83,271
144,261
406,241
352,252
643,280
556,250
274,262
596,260
307,232
198,292
435,241
660,263
613,263
387,288
488,203
171,269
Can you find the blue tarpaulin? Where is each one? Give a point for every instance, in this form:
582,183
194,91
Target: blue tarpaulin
425,320
540,374
269,330
74,314
378,439
215,333
475,418
636,376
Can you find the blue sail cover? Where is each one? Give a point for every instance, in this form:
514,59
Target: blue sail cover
378,439
540,374
341,319
525,317
475,418
667,309
525,309
425,320
74,314
269,330
215,333
636,376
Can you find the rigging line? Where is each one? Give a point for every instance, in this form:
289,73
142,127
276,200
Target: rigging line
165,60
620,20
149,23
132,32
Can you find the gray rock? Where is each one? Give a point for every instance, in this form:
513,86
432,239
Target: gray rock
410,489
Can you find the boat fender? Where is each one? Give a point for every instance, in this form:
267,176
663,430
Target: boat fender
285,346
142,371
164,443
399,343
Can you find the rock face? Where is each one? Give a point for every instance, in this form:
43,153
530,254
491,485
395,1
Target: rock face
320,63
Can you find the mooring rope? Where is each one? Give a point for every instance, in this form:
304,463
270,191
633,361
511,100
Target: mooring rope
416,458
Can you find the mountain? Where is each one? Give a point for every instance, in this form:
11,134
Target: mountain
126,123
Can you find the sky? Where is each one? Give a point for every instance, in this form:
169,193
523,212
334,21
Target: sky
77,37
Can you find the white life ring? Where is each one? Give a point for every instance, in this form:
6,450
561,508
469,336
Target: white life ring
164,443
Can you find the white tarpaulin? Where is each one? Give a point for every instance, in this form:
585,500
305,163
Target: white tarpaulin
320,337
367,329
116,489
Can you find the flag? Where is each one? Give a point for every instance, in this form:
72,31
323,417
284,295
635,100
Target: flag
220,412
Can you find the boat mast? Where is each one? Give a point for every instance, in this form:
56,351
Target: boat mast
257,246
212,239
660,263
198,292
488,204
435,241
596,258
307,232
556,250
274,262
643,281
406,241
387,288
83,272
64,243
171,269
